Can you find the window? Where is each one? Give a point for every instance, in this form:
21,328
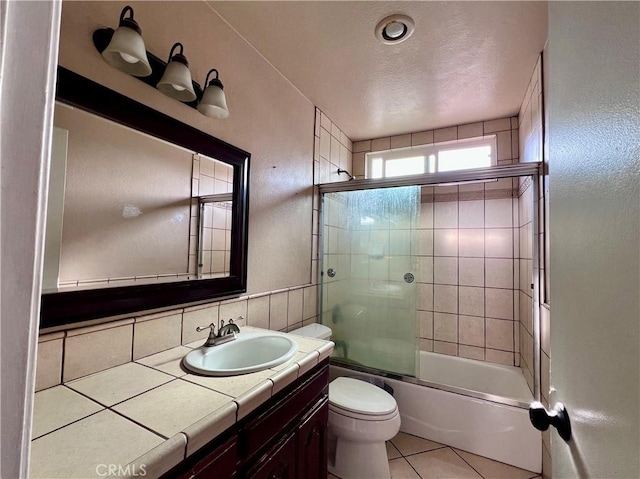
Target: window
448,156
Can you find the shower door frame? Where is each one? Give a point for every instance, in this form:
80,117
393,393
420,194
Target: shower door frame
532,170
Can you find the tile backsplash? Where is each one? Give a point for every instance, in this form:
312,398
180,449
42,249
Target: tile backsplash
74,353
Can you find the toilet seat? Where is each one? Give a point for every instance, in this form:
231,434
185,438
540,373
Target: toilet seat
362,417
358,399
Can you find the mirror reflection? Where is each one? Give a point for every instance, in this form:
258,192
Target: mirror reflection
126,208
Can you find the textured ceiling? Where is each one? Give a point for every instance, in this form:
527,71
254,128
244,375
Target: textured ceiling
466,61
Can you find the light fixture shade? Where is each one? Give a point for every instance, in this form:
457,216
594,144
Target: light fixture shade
126,50
214,103
176,80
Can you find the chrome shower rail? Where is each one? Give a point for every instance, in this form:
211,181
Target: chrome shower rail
459,176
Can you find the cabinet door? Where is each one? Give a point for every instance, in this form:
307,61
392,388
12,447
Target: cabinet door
278,463
311,439
219,464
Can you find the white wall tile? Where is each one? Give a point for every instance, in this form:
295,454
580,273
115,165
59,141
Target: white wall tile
445,214
80,358
445,242
445,270
471,214
258,312
156,335
499,273
499,303
498,213
445,327
471,271
471,301
472,243
445,299
278,309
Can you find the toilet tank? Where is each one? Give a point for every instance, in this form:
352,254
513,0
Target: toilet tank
315,330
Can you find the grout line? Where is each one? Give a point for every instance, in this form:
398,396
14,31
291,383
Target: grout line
478,472
70,423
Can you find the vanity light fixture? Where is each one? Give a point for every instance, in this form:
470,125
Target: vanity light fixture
126,50
394,29
176,81
213,102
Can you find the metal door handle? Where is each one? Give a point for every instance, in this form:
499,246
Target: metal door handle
558,417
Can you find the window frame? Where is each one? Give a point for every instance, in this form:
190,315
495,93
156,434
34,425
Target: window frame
426,151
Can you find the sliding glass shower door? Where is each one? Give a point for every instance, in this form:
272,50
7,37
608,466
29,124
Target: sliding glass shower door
368,271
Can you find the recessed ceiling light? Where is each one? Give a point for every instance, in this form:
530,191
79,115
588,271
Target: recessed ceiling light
394,29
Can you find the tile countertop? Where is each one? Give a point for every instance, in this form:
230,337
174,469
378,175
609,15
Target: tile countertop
144,417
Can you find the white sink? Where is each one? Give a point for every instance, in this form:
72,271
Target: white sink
248,353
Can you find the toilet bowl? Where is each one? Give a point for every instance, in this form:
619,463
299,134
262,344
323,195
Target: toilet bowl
361,418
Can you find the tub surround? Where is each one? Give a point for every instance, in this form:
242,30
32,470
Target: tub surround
150,414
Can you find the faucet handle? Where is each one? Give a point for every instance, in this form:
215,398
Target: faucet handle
212,326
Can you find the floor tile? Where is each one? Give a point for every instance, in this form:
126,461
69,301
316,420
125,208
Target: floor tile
442,464
392,451
408,444
401,469
59,406
490,469
120,383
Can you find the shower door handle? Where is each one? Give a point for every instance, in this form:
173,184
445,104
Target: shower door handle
558,417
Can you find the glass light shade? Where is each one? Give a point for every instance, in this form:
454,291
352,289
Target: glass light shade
214,103
127,53
176,82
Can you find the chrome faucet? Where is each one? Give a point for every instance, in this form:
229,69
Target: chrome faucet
225,334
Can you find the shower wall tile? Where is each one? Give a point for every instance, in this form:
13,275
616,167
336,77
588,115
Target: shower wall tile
471,272
471,243
445,214
499,303
471,301
425,324
499,357
450,349
445,327
471,213
499,273
425,269
445,242
445,270
498,213
472,331
471,352
499,334
498,243
445,298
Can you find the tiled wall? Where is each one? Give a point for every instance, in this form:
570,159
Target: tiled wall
467,244
67,355
532,149
332,150
466,271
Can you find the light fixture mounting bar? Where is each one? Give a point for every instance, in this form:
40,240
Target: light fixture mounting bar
101,39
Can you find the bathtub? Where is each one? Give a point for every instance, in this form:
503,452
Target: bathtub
471,405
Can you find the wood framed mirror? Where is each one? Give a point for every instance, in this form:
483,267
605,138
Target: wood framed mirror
97,263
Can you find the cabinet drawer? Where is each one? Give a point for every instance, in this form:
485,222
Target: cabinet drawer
275,420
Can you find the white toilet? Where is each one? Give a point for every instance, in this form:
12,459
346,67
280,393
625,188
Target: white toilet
361,418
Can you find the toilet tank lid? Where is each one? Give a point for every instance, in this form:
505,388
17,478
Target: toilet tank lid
315,330
361,397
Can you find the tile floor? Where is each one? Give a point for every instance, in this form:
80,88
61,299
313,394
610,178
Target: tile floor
411,457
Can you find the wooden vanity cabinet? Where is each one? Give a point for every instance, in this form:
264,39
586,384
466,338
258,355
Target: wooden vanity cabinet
285,438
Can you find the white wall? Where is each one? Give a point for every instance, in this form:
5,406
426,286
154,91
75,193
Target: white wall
28,55
594,171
